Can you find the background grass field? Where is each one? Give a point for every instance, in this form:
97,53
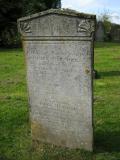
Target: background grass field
14,118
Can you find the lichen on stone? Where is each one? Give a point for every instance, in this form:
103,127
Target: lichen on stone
62,11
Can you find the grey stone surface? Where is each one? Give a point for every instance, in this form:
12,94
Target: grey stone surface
58,46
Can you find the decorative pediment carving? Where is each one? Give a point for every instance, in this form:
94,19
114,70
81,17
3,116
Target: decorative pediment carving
24,27
87,26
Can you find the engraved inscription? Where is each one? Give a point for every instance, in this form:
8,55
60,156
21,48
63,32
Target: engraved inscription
64,67
58,86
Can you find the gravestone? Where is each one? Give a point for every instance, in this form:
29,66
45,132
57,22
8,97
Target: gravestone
115,32
100,32
58,46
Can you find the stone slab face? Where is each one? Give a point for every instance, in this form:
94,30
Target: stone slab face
58,47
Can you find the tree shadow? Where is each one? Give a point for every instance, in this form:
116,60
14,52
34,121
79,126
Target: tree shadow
107,141
106,44
4,158
109,73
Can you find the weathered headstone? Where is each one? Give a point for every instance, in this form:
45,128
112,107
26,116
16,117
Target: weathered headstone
115,32
100,32
58,46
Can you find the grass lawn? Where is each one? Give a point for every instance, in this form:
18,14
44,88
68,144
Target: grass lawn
14,118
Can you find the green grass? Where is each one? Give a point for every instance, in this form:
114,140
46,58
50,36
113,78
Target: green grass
107,102
15,138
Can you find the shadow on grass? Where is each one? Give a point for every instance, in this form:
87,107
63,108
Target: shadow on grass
106,44
4,158
108,141
109,74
